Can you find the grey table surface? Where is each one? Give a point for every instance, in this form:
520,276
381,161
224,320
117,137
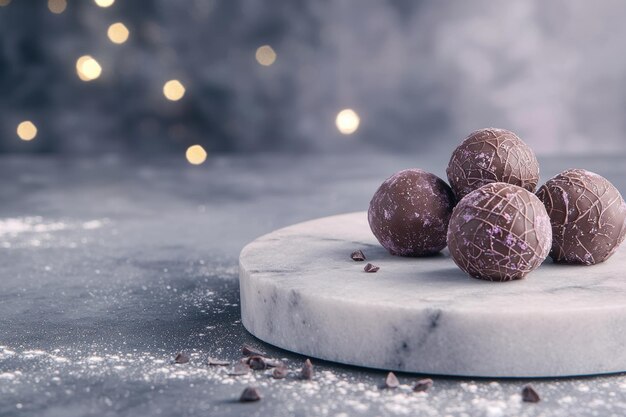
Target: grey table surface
110,266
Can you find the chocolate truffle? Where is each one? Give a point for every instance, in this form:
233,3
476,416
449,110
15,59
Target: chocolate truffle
492,155
588,217
409,213
499,232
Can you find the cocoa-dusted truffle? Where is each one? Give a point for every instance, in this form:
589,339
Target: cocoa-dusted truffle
588,216
492,155
499,232
410,211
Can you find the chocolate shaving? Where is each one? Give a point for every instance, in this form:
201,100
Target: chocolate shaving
260,362
358,255
239,369
307,370
257,363
181,358
273,363
391,381
248,350
371,268
423,385
280,372
217,362
250,394
529,394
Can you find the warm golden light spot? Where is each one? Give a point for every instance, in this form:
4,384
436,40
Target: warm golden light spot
104,3
173,90
88,68
4,3
265,55
118,33
196,155
26,130
347,121
57,6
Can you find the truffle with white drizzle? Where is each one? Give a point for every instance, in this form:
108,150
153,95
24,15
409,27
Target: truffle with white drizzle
588,216
499,232
492,155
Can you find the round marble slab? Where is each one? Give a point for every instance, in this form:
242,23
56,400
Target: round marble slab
301,291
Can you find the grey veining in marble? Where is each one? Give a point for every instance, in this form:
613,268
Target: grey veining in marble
301,291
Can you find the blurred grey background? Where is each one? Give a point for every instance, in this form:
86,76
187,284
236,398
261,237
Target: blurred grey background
420,75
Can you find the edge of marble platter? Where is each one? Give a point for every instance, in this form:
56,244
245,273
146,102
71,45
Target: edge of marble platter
433,319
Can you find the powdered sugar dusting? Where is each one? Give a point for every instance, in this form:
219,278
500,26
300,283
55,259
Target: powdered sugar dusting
15,226
331,393
36,231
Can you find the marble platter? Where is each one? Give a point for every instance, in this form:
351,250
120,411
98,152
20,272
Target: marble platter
301,291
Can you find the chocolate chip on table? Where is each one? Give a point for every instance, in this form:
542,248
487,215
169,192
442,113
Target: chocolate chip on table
257,363
529,394
391,381
181,358
423,385
358,255
280,372
217,362
248,350
371,268
239,369
307,370
250,394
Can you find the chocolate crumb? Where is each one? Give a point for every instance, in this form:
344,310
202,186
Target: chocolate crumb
529,394
280,372
257,363
250,394
239,369
248,350
217,362
358,256
391,381
307,370
181,358
371,268
423,385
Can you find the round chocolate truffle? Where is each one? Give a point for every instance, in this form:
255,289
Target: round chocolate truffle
409,213
588,216
492,155
499,232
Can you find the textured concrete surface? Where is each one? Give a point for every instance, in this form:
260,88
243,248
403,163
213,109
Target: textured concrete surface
109,267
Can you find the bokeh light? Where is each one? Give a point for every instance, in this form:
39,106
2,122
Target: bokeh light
57,6
88,68
4,3
196,155
118,33
265,55
347,121
27,130
104,3
173,90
